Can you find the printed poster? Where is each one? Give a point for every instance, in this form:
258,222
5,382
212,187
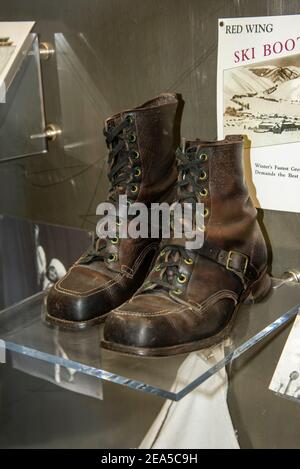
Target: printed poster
286,379
258,95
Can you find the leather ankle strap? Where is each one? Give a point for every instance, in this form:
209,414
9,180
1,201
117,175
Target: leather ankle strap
234,261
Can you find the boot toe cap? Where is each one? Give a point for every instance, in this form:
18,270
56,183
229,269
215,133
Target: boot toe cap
142,329
80,296
65,307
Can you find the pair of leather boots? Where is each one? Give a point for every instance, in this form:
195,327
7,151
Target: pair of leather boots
158,298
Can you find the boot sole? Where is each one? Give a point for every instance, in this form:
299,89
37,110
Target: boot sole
74,325
254,294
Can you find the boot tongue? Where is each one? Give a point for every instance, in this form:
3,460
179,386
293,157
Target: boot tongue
189,148
186,145
119,164
192,144
113,121
120,188
119,167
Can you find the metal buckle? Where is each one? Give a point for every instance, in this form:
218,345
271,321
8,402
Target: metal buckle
230,259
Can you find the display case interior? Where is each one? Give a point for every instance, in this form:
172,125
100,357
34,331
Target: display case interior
22,117
31,344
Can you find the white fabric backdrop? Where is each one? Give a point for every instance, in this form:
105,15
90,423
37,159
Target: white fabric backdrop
201,419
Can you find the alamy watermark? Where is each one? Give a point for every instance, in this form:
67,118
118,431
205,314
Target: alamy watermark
159,220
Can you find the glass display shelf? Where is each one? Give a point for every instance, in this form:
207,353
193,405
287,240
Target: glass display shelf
22,115
75,360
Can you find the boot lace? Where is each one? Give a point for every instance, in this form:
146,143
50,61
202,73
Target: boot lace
121,162
191,188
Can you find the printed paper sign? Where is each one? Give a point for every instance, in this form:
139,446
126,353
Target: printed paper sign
259,97
286,379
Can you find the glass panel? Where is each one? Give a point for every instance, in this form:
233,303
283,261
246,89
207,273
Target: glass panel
22,115
24,331
79,96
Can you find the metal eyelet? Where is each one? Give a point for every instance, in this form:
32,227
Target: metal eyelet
134,188
112,258
203,176
129,119
131,138
206,212
204,193
129,203
182,278
201,228
177,291
157,268
114,240
163,252
135,154
189,261
118,223
203,157
137,172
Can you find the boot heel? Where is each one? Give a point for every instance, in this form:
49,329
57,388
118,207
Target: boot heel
259,289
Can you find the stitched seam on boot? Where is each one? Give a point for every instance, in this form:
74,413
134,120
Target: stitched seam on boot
214,299
131,271
58,287
211,301
90,292
162,312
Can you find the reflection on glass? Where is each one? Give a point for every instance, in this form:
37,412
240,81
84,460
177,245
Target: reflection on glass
22,115
68,355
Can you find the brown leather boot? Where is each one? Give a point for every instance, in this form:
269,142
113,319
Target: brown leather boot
142,165
190,298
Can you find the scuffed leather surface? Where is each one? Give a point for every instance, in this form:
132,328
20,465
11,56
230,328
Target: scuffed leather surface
209,298
85,293
89,291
